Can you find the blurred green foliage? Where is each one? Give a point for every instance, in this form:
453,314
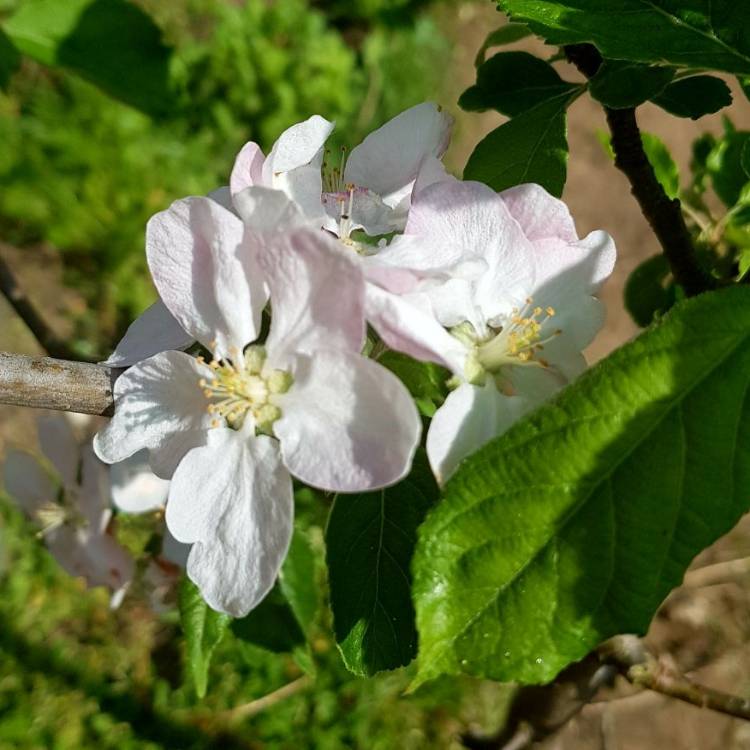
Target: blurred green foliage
76,676
84,172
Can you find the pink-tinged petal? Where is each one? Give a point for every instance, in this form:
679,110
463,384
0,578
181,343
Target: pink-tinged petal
27,483
296,147
154,331
388,160
159,406
470,417
223,196
347,424
204,266
407,324
267,210
135,488
247,169
317,294
541,215
473,220
94,499
232,499
60,445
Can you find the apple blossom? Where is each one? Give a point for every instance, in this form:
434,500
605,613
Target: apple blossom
513,331
74,513
230,432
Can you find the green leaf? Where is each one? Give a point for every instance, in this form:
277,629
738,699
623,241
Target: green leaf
506,34
619,84
532,147
694,33
649,292
664,165
512,82
694,97
112,43
745,158
297,581
725,166
272,625
574,525
9,59
204,628
370,540
425,381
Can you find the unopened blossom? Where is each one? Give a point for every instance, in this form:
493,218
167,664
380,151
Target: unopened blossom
71,505
231,431
512,331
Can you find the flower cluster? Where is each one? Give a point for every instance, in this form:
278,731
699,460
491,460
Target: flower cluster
271,283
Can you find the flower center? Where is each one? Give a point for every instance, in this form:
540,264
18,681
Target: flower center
51,516
240,385
519,342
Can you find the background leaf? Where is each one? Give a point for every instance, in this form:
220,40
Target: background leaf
506,34
112,43
724,165
696,33
203,628
649,291
574,525
297,581
272,625
618,84
9,59
426,381
664,165
694,96
532,147
512,82
370,540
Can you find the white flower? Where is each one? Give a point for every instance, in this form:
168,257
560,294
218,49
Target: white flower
74,513
512,329
305,402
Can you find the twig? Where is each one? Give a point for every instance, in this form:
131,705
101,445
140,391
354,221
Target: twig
25,310
643,670
663,214
252,708
46,383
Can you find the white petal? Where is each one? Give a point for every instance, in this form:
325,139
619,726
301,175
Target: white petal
159,406
347,423
232,499
265,209
297,146
388,160
223,196
247,169
407,324
135,488
473,220
360,208
27,483
470,417
581,266
431,170
60,445
173,551
317,295
540,214
154,331
304,185
203,264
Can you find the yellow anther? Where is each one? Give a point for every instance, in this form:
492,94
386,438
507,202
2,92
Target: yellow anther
550,311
